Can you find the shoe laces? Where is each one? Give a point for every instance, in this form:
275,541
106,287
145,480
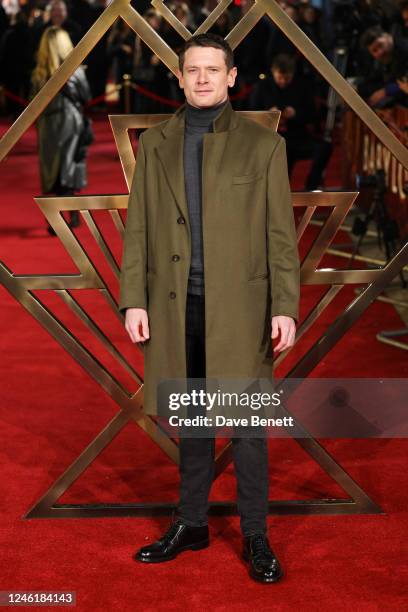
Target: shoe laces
260,547
171,532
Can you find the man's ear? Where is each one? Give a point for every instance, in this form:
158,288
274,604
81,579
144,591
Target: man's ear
179,75
232,75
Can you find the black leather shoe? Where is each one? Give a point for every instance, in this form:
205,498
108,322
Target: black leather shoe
263,564
178,537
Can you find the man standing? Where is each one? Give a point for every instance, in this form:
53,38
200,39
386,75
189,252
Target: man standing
291,93
210,275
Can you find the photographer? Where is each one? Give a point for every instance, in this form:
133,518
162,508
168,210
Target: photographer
390,64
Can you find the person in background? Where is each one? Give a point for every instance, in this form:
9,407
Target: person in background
182,12
56,14
310,24
278,43
389,63
400,27
121,48
62,137
202,9
97,61
223,25
383,13
149,72
4,22
82,12
252,55
16,60
120,52
291,93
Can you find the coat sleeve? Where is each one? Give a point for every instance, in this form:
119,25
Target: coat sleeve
283,256
134,258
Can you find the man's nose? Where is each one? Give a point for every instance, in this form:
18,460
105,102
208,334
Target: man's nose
202,76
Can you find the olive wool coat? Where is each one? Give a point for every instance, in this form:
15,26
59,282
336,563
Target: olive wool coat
251,263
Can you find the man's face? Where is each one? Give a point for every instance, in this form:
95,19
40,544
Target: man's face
282,79
154,21
205,77
309,14
405,17
58,13
381,48
246,5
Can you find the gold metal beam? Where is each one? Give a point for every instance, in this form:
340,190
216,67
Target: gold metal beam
130,403
334,78
391,342
67,68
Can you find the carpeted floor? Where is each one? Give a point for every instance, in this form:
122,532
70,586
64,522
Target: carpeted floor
51,410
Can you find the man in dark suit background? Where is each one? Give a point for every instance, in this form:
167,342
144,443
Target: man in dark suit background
291,93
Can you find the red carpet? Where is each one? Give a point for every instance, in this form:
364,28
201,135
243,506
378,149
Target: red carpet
51,410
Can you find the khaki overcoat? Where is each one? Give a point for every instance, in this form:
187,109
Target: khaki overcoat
251,262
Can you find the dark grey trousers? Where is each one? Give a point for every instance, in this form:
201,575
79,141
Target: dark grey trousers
197,455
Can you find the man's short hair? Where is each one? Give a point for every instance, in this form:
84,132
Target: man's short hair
208,40
53,2
369,36
286,64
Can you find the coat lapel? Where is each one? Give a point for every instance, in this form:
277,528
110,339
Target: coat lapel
171,152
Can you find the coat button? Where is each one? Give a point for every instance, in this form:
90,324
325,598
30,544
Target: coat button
176,258
181,220
172,295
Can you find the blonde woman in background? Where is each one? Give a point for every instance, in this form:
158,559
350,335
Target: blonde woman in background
63,132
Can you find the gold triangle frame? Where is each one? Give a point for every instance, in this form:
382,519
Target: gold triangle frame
131,404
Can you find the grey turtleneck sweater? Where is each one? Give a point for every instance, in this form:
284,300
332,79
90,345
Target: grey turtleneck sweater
198,122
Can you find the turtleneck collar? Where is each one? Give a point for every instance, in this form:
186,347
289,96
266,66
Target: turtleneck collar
203,117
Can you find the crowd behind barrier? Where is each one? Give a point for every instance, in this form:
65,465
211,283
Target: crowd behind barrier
121,51
272,73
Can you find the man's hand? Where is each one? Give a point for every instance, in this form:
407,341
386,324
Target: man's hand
287,328
376,97
403,84
137,324
289,112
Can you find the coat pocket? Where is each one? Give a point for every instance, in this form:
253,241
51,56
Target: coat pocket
246,178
